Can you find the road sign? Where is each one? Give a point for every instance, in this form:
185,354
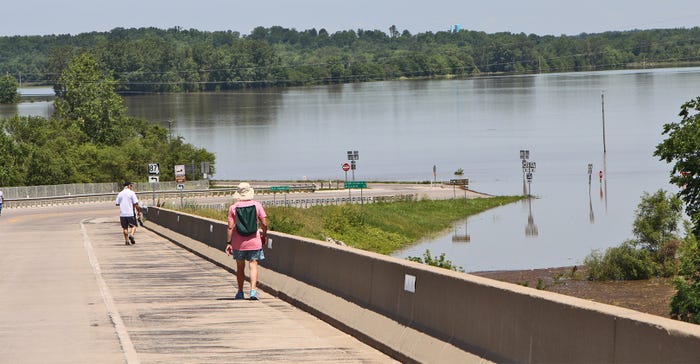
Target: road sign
346,167
529,166
154,168
180,173
356,184
460,182
279,188
153,179
180,186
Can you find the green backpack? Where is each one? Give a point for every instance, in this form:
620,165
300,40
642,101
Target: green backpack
246,220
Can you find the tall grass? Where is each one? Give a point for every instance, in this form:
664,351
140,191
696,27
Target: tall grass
382,227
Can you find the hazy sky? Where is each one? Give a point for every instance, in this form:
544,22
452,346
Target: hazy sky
555,17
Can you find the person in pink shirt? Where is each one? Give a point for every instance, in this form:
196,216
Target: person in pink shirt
247,230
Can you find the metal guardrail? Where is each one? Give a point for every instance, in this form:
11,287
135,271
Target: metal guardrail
144,195
318,201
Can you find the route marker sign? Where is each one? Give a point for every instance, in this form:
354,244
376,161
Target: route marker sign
153,168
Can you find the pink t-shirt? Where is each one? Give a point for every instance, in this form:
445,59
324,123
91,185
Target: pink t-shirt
251,242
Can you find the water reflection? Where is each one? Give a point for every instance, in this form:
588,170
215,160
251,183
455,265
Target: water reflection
458,236
531,228
27,108
605,180
208,110
591,215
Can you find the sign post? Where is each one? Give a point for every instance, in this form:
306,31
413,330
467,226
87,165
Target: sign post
529,169
355,184
276,189
153,179
524,156
346,168
353,156
180,179
463,182
205,169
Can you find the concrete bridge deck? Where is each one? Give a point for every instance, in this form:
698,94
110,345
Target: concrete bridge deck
72,292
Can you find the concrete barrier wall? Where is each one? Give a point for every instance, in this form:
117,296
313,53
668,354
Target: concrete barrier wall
494,320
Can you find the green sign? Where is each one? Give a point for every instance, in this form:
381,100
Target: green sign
356,184
279,188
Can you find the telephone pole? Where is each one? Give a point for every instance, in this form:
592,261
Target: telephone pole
602,107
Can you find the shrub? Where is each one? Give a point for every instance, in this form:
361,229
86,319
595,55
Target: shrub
439,262
623,262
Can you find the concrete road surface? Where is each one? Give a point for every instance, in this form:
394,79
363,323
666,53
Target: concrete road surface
72,292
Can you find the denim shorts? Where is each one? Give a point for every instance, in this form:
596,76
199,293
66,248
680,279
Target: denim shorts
248,254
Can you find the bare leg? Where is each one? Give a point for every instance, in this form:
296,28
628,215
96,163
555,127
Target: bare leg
253,264
240,273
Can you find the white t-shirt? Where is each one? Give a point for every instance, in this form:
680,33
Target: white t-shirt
2,197
126,200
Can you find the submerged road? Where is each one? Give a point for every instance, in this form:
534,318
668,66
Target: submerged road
72,292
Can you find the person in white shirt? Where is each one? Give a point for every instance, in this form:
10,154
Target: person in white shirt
2,200
129,210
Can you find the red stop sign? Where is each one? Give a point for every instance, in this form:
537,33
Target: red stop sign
346,167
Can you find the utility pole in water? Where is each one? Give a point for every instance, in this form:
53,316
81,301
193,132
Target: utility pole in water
602,106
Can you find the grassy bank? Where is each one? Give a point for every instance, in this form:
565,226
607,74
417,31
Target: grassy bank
378,227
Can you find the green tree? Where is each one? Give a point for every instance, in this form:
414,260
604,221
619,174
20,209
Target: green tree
657,219
685,304
8,90
85,95
97,142
682,148
11,163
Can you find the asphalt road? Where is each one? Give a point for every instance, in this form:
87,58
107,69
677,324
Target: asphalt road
72,292
420,191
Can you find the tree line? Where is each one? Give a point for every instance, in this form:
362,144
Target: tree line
88,138
175,59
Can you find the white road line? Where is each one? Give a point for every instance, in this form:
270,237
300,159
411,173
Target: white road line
125,340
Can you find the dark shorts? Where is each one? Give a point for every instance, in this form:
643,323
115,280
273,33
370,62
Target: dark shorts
128,221
248,255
